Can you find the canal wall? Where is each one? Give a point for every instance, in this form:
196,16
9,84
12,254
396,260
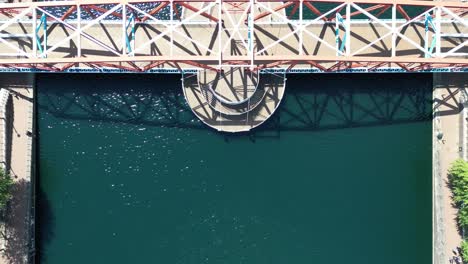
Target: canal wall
449,135
19,220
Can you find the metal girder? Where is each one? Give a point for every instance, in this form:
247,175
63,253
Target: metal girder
97,2
194,9
266,13
257,34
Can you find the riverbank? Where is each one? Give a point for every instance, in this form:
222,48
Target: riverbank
17,222
447,147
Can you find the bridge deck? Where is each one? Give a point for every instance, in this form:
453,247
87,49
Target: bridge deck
150,36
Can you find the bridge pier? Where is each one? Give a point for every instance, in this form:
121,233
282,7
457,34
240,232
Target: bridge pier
234,99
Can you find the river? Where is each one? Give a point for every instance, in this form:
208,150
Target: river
340,174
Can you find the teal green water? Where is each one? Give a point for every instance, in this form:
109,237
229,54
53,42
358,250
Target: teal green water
340,174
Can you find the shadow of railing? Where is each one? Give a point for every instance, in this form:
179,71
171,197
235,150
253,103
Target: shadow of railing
312,102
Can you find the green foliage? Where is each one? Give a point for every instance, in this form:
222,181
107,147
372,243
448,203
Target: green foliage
458,177
463,216
464,251
459,181
5,188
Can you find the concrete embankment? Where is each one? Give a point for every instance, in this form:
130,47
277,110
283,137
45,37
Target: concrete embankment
18,233
449,135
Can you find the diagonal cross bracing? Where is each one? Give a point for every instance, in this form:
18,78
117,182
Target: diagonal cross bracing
374,35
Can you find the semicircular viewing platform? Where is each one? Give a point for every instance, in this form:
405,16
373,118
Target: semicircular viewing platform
234,99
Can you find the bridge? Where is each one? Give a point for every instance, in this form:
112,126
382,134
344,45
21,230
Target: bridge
233,54
318,35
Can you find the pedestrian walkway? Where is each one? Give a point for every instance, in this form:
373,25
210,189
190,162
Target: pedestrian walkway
18,215
448,146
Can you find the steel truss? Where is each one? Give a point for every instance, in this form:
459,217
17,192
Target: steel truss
185,35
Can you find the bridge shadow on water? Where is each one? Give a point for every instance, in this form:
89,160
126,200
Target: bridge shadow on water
325,102
312,102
